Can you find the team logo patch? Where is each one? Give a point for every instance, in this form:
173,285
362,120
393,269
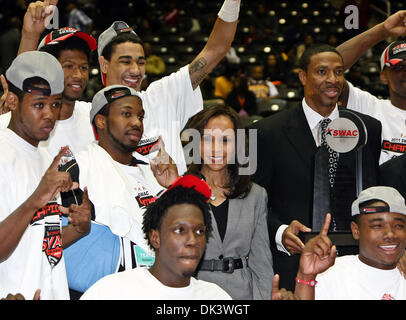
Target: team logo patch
50,215
52,244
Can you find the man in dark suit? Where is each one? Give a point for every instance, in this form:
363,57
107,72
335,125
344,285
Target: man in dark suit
287,144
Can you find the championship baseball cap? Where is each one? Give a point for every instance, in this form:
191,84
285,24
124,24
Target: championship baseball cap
62,34
110,94
113,31
193,182
109,34
393,54
394,200
36,64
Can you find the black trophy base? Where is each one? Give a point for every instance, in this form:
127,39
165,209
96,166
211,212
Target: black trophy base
339,239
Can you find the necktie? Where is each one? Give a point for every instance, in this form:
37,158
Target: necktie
333,155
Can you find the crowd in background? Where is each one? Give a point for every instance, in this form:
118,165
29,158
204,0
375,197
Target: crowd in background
272,35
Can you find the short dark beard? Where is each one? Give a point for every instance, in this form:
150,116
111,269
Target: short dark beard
122,146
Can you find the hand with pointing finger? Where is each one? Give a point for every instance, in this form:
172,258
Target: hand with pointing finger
281,294
3,103
37,15
318,255
79,215
53,182
163,167
19,296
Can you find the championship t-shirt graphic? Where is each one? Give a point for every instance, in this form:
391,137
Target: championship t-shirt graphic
50,216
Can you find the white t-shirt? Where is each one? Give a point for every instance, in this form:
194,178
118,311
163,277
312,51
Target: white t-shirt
140,284
393,121
351,279
29,266
75,131
169,103
120,193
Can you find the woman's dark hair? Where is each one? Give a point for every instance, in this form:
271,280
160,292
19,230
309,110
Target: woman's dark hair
239,185
121,38
72,43
179,195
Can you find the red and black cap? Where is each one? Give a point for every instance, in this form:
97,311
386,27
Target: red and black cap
62,34
393,54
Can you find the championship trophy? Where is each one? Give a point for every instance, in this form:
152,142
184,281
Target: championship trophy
346,135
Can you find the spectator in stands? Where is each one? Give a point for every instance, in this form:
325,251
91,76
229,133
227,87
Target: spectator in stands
238,209
170,17
275,69
241,99
223,84
9,42
379,224
287,144
308,40
177,226
77,18
263,89
391,112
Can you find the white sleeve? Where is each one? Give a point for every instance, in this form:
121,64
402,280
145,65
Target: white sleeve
172,98
278,239
273,91
361,101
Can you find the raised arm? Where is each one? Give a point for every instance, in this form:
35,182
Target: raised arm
318,255
36,18
218,44
354,48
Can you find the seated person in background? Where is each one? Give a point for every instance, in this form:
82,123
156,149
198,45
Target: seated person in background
263,89
379,224
240,98
275,68
223,84
238,209
176,227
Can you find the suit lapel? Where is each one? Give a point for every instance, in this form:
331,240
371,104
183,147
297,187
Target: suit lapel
233,216
300,136
215,233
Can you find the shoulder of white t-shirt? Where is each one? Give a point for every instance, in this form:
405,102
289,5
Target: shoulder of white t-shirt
83,107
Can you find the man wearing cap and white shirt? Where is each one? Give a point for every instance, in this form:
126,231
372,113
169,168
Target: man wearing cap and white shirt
170,101
72,48
391,112
379,224
31,252
120,188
